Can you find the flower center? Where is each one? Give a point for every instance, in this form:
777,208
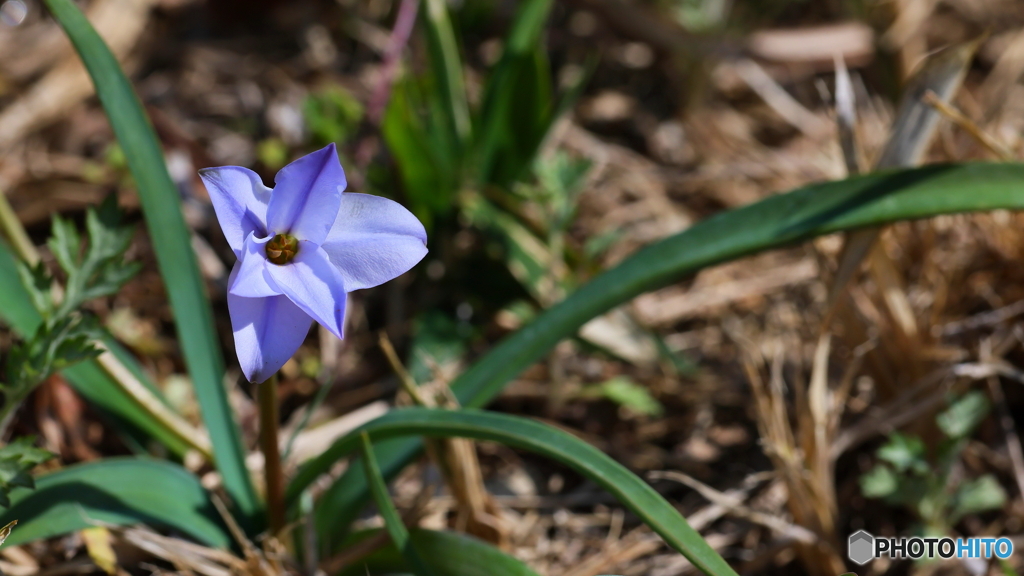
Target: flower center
282,248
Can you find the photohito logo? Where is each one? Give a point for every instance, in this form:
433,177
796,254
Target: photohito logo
864,547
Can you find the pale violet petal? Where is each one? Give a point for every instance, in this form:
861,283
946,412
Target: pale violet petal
251,278
313,284
240,201
373,240
267,332
306,196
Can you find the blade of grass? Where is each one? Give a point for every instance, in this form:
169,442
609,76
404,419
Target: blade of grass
170,239
523,65
525,434
392,520
451,553
447,65
777,221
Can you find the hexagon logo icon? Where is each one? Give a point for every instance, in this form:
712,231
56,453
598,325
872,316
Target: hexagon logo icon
860,547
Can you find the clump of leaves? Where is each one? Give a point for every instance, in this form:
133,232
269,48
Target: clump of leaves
937,492
66,334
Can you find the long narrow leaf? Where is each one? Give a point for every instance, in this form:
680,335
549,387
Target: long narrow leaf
392,519
451,554
160,203
517,105
88,378
771,223
547,441
120,491
447,65
782,220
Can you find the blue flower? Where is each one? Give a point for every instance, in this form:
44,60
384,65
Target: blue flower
301,248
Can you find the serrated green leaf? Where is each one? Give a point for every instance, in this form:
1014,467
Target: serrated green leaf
171,241
38,285
24,450
545,440
118,491
107,237
52,348
64,243
16,460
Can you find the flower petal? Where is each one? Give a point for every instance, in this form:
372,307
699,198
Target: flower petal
240,200
268,331
374,240
307,195
313,284
251,279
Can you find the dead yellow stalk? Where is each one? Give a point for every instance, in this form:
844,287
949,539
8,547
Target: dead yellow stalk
476,511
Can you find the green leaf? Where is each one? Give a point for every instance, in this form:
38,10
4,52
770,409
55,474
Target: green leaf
879,482
979,495
53,347
628,394
451,554
446,66
960,419
171,241
545,440
118,491
16,460
37,283
64,243
778,221
905,452
775,222
101,271
392,519
518,107
425,149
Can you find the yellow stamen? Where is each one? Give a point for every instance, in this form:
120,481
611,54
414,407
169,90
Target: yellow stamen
282,248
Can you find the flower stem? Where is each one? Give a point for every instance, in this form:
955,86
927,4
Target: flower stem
267,398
